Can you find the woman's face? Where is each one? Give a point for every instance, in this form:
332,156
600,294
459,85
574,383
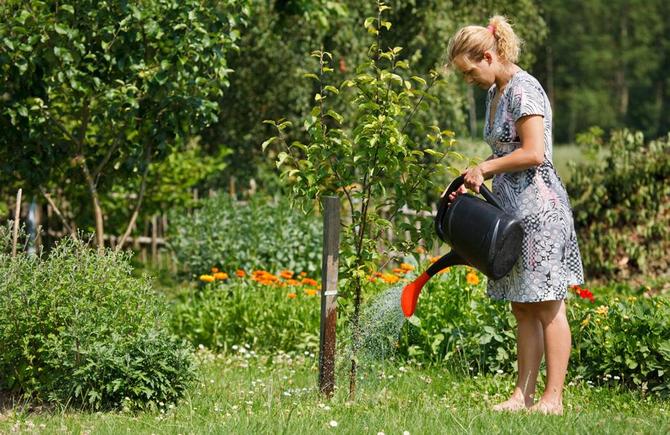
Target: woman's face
480,72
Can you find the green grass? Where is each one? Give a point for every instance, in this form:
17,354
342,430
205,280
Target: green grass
238,394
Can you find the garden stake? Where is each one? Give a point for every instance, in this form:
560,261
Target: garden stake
331,246
17,214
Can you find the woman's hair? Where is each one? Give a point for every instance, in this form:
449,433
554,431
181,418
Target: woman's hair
472,41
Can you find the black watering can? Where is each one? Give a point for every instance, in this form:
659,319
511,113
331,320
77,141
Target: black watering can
480,233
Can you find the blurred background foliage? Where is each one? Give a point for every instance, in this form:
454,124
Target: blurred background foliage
602,64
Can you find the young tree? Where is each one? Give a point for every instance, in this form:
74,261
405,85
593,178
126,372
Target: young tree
369,159
97,90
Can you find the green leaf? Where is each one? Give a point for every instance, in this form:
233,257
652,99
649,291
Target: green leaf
281,158
336,116
433,153
268,142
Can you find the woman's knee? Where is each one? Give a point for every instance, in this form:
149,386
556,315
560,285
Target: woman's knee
523,311
551,311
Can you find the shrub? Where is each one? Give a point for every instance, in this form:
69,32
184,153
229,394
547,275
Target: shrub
623,339
616,339
231,236
76,328
621,205
240,311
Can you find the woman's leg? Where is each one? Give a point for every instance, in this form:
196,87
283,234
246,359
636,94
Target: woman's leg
557,342
529,355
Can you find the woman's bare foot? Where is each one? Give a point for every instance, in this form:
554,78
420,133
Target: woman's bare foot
513,404
547,408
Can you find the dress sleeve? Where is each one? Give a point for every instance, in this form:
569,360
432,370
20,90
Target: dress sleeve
527,99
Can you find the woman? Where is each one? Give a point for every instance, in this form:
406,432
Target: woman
518,130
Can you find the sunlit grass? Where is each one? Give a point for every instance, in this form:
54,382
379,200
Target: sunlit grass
247,393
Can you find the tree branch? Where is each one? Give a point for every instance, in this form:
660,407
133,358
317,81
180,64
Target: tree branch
51,202
140,197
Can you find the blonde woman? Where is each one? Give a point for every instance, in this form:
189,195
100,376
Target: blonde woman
518,130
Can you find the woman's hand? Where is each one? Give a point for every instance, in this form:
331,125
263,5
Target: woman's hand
473,178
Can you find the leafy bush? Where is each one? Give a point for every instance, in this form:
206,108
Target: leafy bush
623,339
616,339
621,205
259,234
460,326
76,328
242,311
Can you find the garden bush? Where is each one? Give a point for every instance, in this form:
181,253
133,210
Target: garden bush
622,206
616,339
259,234
77,329
262,311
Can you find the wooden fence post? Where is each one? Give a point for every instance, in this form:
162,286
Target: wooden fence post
330,260
17,215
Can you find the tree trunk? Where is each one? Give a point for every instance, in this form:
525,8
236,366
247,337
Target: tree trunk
622,86
97,210
138,205
356,334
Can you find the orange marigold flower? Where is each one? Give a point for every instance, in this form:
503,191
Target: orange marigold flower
472,278
240,273
406,267
379,274
221,275
303,273
292,282
420,250
310,282
286,274
390,279
215,269
310,292
291,295
206,278
399,271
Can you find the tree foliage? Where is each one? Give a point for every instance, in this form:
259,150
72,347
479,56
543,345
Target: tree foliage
94,91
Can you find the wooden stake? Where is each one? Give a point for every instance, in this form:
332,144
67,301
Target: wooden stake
17,215
154,238
330,259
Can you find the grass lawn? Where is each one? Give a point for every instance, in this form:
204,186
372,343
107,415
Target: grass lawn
246,393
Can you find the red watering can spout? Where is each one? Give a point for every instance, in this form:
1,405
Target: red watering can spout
410,294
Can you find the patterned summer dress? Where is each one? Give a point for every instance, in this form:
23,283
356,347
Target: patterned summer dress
550,260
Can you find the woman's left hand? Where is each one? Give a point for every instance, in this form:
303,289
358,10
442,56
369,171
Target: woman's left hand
474,177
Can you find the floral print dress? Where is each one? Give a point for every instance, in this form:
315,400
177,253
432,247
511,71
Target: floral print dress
550,260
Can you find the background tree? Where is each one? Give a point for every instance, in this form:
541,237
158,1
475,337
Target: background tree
94,91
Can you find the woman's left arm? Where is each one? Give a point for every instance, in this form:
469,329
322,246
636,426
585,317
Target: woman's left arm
531,153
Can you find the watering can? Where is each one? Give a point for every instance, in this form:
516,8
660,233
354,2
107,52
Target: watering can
480,233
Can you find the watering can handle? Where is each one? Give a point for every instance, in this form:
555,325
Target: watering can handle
486,193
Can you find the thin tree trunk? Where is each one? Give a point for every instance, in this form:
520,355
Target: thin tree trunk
97,209
140,197
355,340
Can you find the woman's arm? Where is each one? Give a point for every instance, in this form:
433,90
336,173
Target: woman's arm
531,153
